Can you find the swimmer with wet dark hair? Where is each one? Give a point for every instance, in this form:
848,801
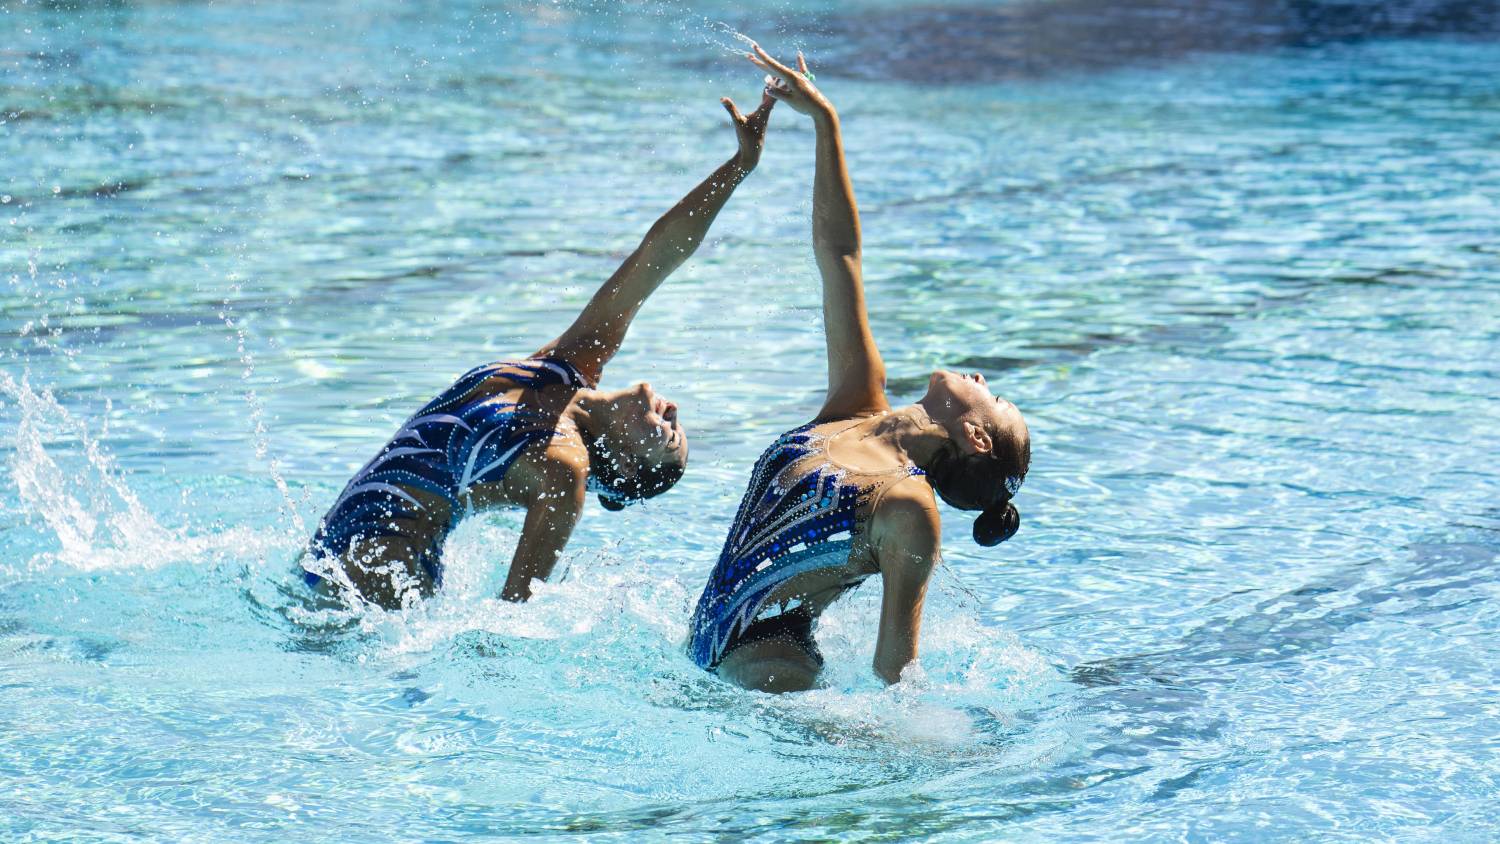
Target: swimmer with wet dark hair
853,493
536,433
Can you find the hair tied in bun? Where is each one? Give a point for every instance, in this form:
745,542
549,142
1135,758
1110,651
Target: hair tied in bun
997,524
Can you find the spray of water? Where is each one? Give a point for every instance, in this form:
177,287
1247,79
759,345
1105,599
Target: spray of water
724,37
296,528
717,35
98,521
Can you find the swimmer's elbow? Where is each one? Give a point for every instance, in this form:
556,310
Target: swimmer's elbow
841,246
671,241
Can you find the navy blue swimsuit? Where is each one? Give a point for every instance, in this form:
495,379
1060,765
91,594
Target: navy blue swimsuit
454,442
792,520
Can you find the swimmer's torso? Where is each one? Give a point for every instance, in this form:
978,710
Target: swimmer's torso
800,539
447,460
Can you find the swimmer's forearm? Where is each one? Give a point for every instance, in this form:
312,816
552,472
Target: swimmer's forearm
679,232
597,333
856,374
835,216
550,516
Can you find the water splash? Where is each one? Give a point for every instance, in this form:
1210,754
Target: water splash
614,631
716,31
718,35
296,528
97,520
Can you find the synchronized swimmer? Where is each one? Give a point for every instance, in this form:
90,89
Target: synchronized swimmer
535,433
849,495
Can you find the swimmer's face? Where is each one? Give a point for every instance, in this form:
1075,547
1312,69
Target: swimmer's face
963,404
645,431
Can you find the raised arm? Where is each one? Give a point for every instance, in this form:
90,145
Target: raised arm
856,374
597,333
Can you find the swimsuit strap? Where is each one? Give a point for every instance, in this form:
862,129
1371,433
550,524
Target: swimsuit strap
531,373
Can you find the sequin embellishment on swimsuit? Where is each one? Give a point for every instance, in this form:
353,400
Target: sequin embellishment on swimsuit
451,444
792,520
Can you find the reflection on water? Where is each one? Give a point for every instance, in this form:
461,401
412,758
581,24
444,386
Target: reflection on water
1249,298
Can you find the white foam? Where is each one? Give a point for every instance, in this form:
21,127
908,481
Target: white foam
625,624
98,521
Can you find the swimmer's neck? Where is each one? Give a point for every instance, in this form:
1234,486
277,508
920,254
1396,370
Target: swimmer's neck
909,431
591,411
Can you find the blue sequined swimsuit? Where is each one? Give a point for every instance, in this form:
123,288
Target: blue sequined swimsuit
792,520
454,442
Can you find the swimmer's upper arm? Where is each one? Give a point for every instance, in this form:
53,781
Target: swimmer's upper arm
556,494
908,541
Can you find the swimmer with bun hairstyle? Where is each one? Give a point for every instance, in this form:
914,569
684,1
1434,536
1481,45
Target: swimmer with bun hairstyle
853,493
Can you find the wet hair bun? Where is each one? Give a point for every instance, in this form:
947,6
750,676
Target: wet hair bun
997,524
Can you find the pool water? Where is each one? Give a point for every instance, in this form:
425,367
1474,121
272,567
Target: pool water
1243,281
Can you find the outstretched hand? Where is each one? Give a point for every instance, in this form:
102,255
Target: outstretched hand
793,87
751,130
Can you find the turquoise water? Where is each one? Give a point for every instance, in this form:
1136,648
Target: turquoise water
1247,296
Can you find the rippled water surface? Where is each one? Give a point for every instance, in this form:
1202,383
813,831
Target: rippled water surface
1243,280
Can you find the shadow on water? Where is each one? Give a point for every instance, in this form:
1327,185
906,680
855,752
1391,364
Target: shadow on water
19,637
1170,689
944,44
1310,619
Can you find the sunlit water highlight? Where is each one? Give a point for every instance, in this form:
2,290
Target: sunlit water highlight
1249,301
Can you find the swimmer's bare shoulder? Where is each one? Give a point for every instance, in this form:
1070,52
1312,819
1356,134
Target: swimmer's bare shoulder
905,526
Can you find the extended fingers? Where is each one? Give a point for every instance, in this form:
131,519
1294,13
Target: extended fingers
763,66
769,61
801,63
